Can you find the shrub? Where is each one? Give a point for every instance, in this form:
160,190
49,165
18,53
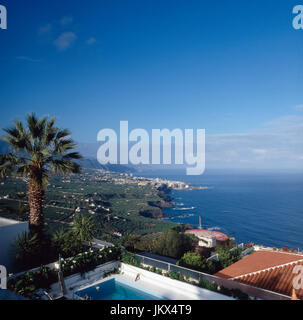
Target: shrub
129,258
173,275
66,243
172,244
29,282
227,257
130,241
84,228
208,285
159,271
193,261
28,250
89,260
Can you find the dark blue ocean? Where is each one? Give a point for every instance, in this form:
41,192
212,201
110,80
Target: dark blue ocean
263,208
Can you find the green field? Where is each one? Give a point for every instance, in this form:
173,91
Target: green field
116,208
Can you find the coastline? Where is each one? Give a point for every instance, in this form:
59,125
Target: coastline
171,204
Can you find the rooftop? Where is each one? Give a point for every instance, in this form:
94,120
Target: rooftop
208,234
258,261
269,270
278,279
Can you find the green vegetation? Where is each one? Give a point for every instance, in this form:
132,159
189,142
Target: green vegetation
37,149
26,284
67,244
84,228
86,261
117,207
197,262
129,258
171,243
89,260
31,250
27,249
227,257
194,261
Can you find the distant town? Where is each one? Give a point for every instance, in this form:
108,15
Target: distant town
121,202
125,178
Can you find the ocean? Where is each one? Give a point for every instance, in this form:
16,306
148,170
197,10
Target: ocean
260,208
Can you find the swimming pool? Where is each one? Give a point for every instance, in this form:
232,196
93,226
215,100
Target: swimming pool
116,289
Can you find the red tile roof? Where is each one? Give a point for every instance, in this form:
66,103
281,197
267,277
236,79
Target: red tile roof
278,279
268,270
257,261
208,233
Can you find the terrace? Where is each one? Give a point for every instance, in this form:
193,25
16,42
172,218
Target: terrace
159,286
94,268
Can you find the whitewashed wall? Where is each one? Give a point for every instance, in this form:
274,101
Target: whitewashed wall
9,230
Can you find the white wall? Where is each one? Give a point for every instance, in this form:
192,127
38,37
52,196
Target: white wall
9,229
170,288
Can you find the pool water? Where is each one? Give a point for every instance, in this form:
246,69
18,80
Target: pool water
115,289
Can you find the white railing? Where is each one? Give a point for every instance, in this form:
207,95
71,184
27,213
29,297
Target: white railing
197,276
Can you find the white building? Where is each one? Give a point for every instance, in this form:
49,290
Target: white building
9,230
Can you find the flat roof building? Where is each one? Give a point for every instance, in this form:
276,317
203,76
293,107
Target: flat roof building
208,238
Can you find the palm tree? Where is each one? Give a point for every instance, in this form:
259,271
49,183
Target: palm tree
84,228
36,150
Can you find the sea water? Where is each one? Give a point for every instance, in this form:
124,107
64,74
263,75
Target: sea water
262,208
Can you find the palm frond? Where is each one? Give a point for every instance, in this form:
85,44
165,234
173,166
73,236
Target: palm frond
72,155
6,171
50,132
10,158
38,147
24,137
32,123
13,132
10,164
17,137
64,166
62,134
64,145
23,171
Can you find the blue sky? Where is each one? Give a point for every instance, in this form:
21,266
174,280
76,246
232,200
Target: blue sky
231,67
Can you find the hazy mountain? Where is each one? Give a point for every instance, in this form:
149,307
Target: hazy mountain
89,160
3,147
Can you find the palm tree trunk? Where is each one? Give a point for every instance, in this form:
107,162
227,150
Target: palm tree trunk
35,199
